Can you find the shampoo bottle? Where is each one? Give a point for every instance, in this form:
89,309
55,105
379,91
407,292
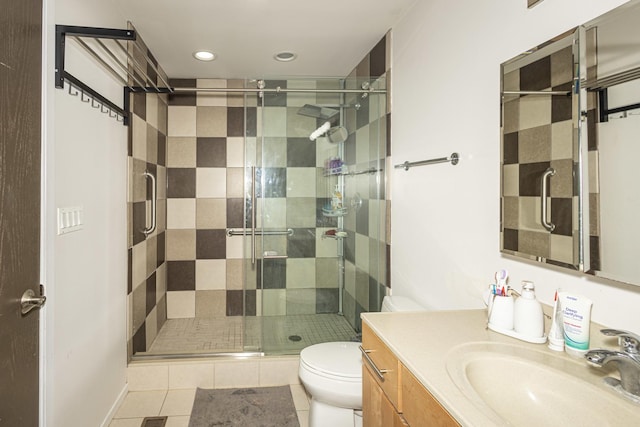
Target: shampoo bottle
336,200
528,319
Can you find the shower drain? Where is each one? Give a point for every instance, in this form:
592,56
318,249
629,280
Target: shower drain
295,338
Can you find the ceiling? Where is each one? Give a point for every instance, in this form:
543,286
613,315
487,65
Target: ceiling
329,37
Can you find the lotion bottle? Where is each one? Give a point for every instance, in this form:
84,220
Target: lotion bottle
528,318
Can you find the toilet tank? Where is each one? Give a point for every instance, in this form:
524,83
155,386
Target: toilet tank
398,303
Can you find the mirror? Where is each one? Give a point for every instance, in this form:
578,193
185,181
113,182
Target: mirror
570,188
611,83
540,151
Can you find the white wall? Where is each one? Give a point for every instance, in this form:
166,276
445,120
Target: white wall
86,271
445,88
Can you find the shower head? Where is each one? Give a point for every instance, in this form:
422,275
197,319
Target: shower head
318,112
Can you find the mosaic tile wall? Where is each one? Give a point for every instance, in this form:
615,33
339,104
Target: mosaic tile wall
538,133
146,288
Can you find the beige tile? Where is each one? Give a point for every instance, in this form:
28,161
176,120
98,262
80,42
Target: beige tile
235,152
303,418
235,248
301,182
179,421
152,144
181,213
274,302
511,80
211,213
236,374
181,304
362,145
301,212
327,272
529,213
511,116
191,375
139,138
142,377
212,99
299,126
562,140
211,182
139,263
181,121
126,422
178,402
212,121
561,248
234,277
510,180
237,99
534,243
279,371
161,281
273,152
362,252
301,273
211,274
141,404
300,397
152,254
152,109
272,212
325,247
511,215
162,182
211,303
235,182
534,111
181,245
275,121
151,326
181,152
534,144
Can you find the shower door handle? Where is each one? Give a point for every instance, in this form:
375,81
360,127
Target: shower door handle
253,215
154,192
544,190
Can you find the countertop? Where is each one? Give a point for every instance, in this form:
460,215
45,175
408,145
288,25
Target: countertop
425,341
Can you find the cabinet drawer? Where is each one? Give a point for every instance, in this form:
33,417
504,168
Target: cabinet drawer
376,408
420,407
384,361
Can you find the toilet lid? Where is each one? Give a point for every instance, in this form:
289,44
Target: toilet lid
341,359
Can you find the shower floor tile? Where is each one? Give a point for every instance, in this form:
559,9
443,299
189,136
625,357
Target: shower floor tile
280,334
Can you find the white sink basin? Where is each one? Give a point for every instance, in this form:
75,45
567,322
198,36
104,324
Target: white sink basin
514,385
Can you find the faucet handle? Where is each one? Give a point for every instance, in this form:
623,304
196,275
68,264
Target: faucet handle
629,341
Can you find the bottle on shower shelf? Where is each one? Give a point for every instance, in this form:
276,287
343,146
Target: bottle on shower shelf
336,200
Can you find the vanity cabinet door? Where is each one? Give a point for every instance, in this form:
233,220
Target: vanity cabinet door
377,410
385,361
420,407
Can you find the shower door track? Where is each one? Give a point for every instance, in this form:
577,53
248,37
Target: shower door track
171,356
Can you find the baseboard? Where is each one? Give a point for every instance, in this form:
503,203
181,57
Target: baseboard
115,406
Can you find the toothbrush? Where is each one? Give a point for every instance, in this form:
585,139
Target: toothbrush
501,281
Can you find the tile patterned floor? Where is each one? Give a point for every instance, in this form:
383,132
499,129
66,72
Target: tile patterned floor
177,404
235,334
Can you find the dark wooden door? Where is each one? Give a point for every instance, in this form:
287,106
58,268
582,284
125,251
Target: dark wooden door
20,114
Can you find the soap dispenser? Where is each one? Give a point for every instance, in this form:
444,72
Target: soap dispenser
528,319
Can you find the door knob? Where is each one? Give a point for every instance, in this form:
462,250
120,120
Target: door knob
30,301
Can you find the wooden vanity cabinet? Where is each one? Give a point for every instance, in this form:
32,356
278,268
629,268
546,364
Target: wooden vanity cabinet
399,399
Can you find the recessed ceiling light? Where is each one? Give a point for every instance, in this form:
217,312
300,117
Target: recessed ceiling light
285,56
204,55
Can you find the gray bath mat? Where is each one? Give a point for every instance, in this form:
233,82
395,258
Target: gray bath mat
246,407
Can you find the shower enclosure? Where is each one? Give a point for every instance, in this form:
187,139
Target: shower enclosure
271,241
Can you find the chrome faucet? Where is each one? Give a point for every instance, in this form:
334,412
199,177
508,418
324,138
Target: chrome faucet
628,362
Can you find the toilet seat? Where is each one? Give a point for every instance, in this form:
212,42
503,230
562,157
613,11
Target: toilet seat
337,360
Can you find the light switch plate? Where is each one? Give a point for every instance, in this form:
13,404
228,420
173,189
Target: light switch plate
70,219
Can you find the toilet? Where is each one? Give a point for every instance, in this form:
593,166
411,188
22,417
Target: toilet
331,372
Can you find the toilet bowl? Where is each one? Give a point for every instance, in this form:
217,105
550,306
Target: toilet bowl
331,373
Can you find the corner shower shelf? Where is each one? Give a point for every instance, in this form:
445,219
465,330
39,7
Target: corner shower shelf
334,212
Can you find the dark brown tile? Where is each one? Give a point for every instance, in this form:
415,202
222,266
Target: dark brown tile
594,252
537,75
211,244
235,306
510,148
510,239
530,175
129,270
252,121
161,242
235,121
162,149
181,183
139,222
151,292
181,275
562,216
140,339
235,213
182,98
561,106
140,105
301,152
377,61
211,152
250,302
